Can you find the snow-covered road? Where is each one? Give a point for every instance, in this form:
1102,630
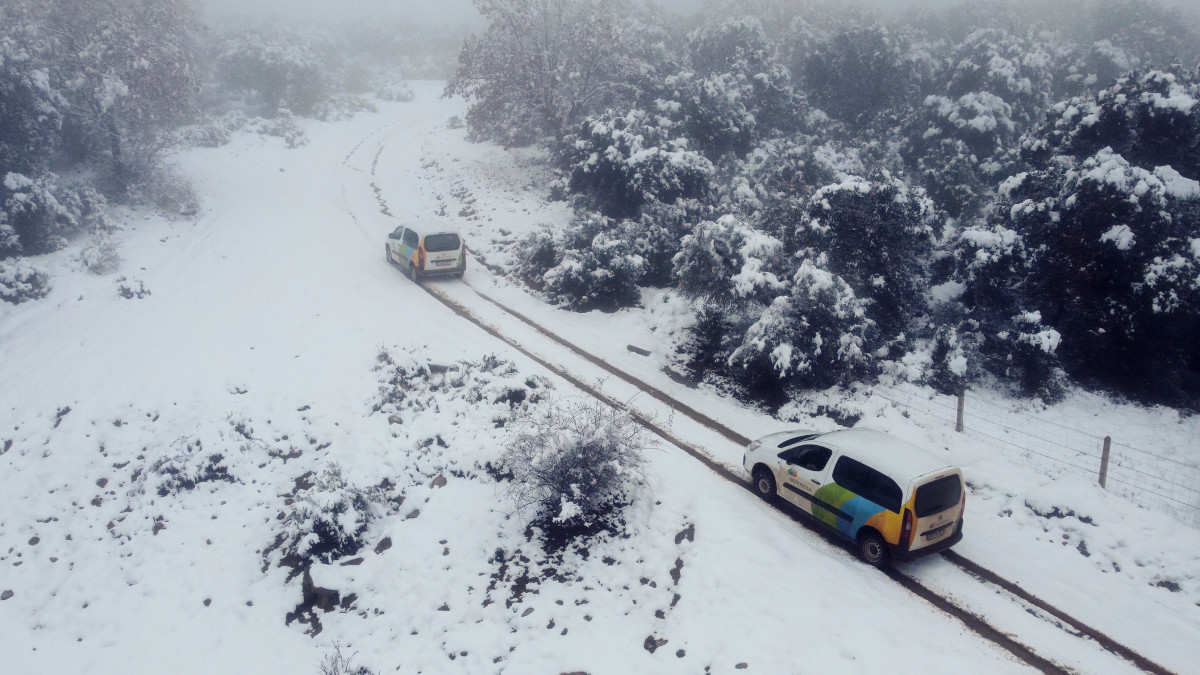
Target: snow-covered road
259,341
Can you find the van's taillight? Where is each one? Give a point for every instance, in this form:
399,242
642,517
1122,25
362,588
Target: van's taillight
906,529
421,258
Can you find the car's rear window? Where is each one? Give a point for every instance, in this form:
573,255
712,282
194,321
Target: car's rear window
436,243
938,495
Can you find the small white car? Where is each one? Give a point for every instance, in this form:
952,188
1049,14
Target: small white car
427,251
889,497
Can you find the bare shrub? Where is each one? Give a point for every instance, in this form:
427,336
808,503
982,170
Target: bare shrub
337,663
161,187
575,461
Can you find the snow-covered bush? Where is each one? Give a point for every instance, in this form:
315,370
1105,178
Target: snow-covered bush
213,131
656,235
164,189
950,361
100,255
860,73
538,253
411,385
877,235
185,472
619,162
283,125
727,262
342,107
328,520
1102,250
216,131
21,281
394,91
277,70
34,213
574,462
602,276
1151,119
815,336
131,288
592,264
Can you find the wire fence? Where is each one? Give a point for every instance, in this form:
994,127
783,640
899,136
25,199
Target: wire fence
1143,477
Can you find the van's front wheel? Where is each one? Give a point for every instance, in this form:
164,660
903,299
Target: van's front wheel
764,483
873,549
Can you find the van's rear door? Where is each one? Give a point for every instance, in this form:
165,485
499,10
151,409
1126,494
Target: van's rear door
443,251
937,507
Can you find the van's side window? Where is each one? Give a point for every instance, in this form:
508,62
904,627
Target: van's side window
866,482
410,238
810,457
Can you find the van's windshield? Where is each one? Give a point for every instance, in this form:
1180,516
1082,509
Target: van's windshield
938,495
436,243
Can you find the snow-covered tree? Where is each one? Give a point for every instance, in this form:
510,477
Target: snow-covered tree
277,71
728,262
30,109
620,161
877,235
814,336
1149,118
543,65
127,71
862,74
1102,247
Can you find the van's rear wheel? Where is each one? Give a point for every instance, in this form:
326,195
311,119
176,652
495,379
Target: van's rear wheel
764,483
873,549
412,273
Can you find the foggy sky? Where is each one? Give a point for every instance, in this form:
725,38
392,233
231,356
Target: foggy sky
452,12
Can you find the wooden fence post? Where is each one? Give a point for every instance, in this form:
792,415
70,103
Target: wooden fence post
1104,461
962,404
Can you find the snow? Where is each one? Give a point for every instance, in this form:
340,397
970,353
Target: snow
1120,236
261,342
1177,185
1012,183
1176,98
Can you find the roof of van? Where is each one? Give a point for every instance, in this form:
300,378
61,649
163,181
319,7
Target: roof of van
431,226
886,452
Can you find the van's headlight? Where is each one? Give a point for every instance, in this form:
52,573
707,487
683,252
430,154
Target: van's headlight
753,446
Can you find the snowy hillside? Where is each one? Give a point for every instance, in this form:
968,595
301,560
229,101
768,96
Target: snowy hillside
170,431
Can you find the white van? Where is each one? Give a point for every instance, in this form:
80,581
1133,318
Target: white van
889,497
427,251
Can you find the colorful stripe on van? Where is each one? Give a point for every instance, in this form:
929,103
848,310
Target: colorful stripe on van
851,512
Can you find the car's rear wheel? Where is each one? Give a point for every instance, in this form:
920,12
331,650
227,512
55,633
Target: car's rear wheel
412,273
764,483
873,549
